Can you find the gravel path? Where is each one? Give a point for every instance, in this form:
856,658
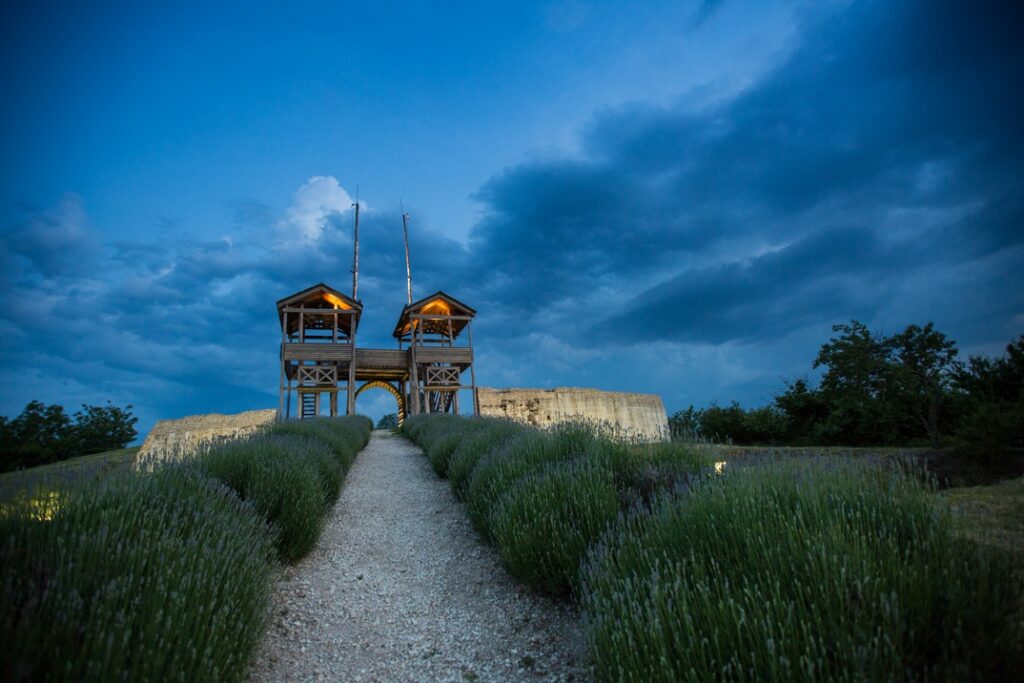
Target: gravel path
400,588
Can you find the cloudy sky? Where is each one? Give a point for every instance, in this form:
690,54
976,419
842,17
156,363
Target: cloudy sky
668,197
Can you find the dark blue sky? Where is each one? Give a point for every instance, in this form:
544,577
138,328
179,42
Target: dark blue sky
673,197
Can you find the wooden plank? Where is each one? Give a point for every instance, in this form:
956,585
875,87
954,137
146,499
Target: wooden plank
382,358
445,354
325,352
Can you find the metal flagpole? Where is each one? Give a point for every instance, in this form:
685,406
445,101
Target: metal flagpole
355,251
408,270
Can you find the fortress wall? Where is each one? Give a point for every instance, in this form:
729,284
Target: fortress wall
177,439
634,416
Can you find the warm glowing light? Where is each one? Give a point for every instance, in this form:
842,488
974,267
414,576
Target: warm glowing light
43,507
338,303
435,307
438,306
719,466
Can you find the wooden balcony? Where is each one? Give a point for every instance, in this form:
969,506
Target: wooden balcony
317,352
444,354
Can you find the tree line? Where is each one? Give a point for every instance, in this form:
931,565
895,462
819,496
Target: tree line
908,389
43,434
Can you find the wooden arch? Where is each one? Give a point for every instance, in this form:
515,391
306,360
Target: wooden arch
390,388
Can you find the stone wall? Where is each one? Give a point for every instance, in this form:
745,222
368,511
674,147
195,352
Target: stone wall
176,439
633,416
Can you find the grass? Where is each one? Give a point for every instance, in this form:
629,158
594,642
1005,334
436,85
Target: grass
162,577
542,497
543,528
798,571
165,575
807,568
991,515
65,473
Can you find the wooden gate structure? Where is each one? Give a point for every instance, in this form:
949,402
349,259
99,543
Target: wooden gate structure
320,357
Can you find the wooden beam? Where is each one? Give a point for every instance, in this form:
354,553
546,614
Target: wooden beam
435,316
320,311
472,372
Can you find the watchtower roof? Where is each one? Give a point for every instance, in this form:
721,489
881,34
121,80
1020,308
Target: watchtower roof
321,297
456,313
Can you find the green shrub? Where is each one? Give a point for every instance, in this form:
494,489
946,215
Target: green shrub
165,575
647,471
442,448
157,577
330,467
524,453
544,525
283,485
426,429
335,439
492,436
797,571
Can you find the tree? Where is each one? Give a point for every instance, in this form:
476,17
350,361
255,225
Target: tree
684,425
920,374
990,393
99,428
43,434
389,421
853,385
804,409
37,436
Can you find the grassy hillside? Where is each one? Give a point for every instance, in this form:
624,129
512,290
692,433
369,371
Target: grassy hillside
65,473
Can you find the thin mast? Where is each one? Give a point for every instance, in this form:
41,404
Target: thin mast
408,270
355,251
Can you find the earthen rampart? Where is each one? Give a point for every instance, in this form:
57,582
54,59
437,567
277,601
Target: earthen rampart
177,439
639,417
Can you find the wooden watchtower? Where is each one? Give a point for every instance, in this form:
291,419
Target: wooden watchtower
431,328
320,358
318,341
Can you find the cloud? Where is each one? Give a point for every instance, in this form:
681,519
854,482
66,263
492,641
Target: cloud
871,156
52,242
702,253
319,200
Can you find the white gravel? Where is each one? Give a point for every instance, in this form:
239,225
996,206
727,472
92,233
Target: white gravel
400,588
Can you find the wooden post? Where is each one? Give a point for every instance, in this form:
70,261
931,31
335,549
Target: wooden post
350,389
350,396
472,370
334,403
302,328
281,389
414,381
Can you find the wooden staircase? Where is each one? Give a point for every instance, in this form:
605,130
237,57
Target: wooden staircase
308,405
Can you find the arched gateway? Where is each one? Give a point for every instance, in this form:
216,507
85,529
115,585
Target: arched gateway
391,389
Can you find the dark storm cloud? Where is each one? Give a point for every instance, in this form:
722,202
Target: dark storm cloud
899,118
783,290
